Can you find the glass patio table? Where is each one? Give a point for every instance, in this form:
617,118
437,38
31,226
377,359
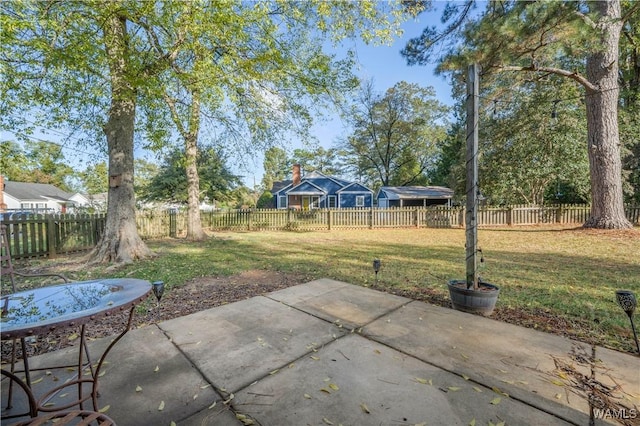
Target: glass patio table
43,310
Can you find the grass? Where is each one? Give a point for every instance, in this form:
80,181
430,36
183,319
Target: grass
546,274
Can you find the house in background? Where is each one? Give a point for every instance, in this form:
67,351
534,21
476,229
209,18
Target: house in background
414,196
316,190
35,197
91,202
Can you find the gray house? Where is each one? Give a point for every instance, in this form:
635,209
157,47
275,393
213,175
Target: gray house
413,196
35,197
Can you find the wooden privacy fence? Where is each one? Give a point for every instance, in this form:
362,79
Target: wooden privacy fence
49,235
52,234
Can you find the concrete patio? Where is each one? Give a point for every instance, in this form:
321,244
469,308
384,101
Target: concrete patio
327,352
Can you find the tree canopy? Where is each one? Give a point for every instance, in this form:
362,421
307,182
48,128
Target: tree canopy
395,135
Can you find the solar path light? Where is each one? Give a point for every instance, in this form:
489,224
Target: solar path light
376,268
627,301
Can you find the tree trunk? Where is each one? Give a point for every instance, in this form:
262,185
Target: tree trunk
607,208
194,225
120,242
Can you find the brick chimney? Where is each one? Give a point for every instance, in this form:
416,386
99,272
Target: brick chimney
3,205
296,174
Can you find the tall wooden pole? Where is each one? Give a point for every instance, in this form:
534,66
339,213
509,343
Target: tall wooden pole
471,221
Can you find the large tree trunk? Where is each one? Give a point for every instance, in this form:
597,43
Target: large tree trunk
607,208
194,225
120,242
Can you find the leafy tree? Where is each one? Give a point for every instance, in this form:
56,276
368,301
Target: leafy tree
95,178
170,183
40,162
536,38
320,159
276,167
14,164
395,135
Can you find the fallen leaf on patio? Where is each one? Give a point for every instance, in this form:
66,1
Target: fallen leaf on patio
502,371
511,382
161,406
291,365
138,388
477,389
62,395
49,404
231,396
306,395
156,369
558,396
195,396
557,382
453,388
365,408
423,381
334,386
472,422
102,373
325,390
172,423
244,419
498,391
198,342
74,336
464,356
315,358
204,386
104,409
496,400
37,380
500,424
327,421
274,371
377,352
523,382
563,375
48,373
464,376
212,405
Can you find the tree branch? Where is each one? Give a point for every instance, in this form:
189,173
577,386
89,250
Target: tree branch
557,71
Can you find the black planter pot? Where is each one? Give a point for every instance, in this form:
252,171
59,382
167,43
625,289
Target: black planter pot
481,301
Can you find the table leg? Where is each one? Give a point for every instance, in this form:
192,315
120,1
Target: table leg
94,392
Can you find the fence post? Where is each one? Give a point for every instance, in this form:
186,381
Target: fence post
370,218
559,214
329,219
510,216
250,220
416,222
51,236
172,223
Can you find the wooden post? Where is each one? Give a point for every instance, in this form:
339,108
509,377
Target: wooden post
51,236
471,222
329,219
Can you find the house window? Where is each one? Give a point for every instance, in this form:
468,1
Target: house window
360,201
315,202
332,202
283,201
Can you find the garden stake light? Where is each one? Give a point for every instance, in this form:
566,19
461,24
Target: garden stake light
627,301
376,268
158,289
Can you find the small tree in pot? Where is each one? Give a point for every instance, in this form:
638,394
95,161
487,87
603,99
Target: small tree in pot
472,295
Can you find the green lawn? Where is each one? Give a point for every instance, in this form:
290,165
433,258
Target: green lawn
549,277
